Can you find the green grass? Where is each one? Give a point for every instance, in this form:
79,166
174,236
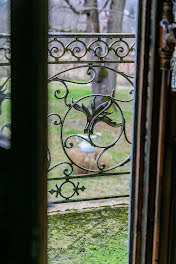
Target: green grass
5,115
96,236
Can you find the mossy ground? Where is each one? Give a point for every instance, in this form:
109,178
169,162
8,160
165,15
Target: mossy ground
94,236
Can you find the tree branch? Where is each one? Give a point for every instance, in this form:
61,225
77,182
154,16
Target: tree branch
105,5
78,12
91,9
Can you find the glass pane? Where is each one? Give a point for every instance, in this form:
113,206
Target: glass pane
91,53
5,83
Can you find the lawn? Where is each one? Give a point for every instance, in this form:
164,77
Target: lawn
88,236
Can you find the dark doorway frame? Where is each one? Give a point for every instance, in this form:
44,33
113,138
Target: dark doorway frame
153,167
28,159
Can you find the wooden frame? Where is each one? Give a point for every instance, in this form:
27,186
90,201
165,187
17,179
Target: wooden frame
28,163
150,199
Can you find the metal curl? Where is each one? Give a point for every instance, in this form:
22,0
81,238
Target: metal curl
101,53
103,166
68,145
120,50
90,71
70,136
56,50
76,49
99,49
56,123
58,91
65,171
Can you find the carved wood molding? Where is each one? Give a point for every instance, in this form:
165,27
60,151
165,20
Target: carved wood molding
167,43
163,183
151,186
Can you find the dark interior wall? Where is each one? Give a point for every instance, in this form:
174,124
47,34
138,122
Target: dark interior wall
145,140
170,168
152,196
27,164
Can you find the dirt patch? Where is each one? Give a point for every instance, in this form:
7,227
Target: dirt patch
88,204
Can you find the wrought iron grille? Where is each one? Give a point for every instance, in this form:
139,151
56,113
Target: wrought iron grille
5,53
87,55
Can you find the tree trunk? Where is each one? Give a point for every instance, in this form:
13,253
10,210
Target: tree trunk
105,81
92,17
93,26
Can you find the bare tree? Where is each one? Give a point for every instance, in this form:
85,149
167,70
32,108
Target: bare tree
105,81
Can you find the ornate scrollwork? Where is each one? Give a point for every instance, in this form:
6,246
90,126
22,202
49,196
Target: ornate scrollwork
77,49
56,48
58,190
93,114
5,50
91,51
167,43
3,94
96,114
123,49
5,59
